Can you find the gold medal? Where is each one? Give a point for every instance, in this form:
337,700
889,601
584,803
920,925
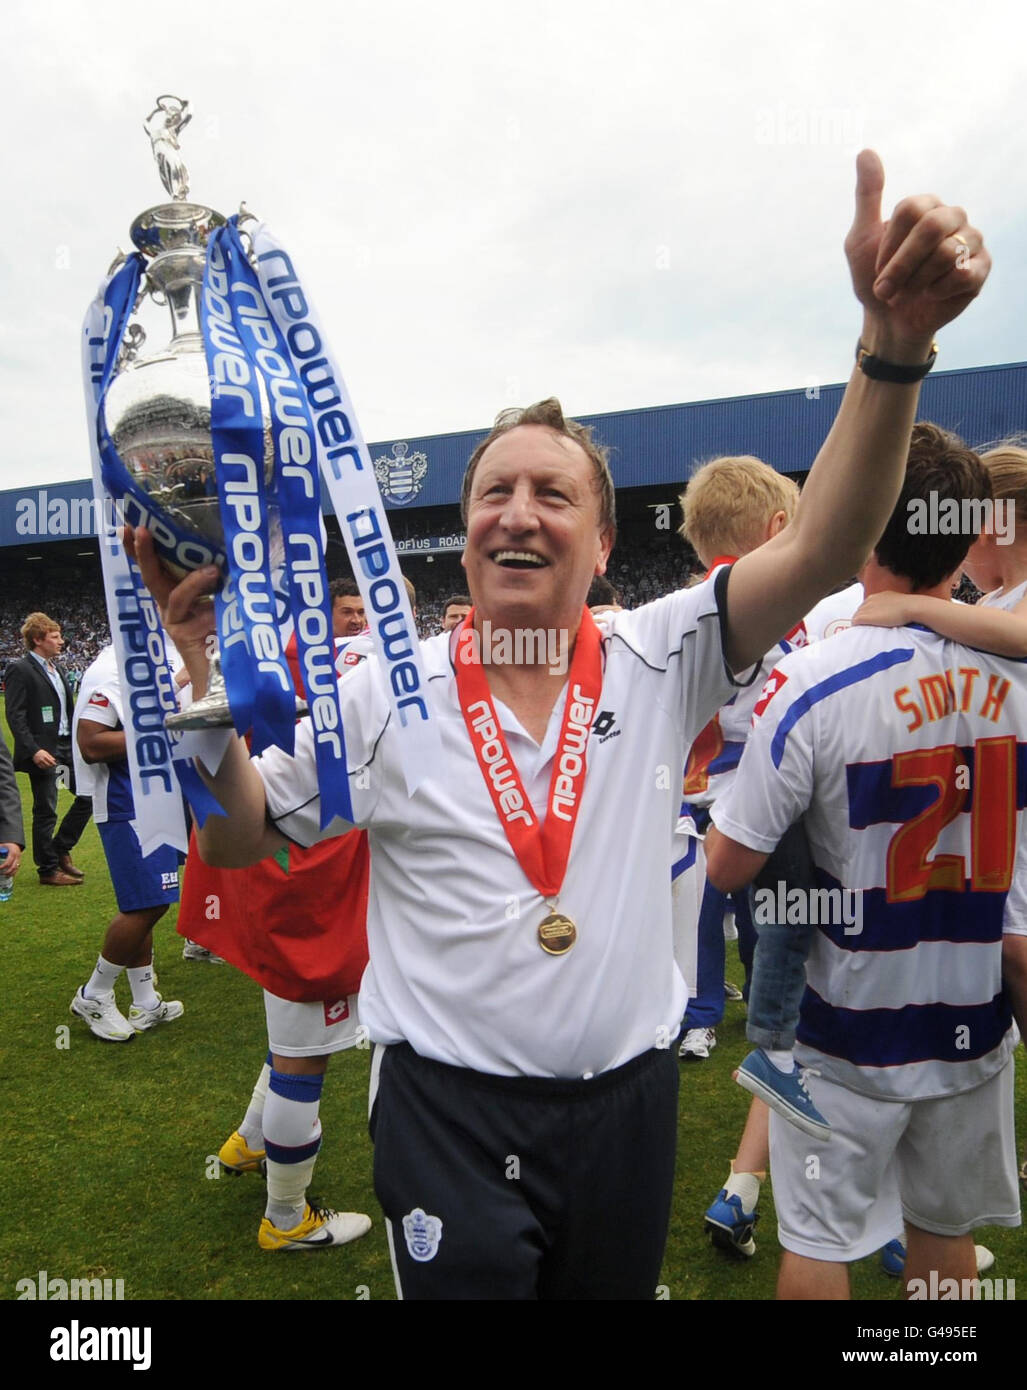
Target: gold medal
557,934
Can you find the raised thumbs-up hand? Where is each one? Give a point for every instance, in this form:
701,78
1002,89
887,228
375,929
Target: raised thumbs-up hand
914,273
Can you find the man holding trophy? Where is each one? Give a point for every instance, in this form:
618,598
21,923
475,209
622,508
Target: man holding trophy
524,1008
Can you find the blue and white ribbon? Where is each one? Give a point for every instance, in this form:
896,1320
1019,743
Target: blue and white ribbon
260,690
349,476
297,496
157,768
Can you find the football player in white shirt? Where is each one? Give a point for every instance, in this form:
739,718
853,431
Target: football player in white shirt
145,887
997,564
903,1020
499,1022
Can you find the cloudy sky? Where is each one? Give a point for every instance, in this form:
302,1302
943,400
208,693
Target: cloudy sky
621,204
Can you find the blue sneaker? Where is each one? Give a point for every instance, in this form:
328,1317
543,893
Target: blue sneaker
730,1228
893,1259
783,1092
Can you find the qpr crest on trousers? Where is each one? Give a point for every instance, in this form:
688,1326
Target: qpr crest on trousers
402,476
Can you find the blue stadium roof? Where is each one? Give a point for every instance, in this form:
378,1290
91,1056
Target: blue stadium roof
658,445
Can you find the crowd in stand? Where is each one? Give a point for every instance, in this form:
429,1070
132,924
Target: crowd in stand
640,571
82,616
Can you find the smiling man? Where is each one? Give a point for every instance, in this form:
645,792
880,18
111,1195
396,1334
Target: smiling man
347,608
525,998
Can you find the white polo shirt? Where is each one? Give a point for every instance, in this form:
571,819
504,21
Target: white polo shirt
456,969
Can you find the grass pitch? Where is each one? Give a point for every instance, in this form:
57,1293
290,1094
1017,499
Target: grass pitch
110,1149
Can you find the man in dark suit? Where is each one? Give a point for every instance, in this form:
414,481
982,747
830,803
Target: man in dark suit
39,709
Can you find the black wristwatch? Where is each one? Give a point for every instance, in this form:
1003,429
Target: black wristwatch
879,370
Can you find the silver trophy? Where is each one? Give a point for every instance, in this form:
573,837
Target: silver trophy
158,404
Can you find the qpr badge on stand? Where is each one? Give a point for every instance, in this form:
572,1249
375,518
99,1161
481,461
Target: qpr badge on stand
402,476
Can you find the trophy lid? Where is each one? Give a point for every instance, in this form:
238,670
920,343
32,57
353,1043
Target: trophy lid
178,224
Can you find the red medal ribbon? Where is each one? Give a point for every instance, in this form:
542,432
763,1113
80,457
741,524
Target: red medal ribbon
542,850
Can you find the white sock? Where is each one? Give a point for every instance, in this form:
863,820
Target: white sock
287,1185
744,1185
140,978
292,1138
252,1127
103,979
782,1059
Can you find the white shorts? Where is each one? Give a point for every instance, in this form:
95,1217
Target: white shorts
311,1030
946,1166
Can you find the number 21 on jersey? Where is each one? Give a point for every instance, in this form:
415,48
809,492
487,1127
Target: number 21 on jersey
992,799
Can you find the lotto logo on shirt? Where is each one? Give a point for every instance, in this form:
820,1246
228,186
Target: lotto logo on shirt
100,701
771,686
336,1013
169,882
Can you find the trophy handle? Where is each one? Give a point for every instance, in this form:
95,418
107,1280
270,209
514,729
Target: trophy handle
135,337
210,711
245,236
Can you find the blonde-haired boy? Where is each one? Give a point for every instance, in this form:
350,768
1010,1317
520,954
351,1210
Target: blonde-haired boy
733,504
